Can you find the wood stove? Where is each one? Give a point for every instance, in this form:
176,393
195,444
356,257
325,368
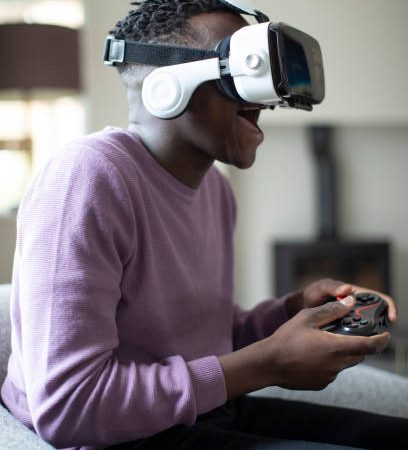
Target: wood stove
298,263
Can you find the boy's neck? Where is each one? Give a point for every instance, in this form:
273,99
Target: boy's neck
185,162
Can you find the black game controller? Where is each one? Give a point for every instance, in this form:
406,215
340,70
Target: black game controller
367,318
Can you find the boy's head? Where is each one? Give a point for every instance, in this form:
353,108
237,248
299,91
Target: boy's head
163,21
212,124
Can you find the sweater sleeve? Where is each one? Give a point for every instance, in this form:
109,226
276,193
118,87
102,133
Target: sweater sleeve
258,323
76,233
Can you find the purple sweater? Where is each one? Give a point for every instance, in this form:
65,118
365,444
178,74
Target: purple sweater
122,296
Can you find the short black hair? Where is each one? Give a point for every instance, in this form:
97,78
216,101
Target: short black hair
160,21
156,20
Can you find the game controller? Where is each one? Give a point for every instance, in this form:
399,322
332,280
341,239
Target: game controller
367,318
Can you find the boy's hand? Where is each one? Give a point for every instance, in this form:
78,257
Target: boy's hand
308,358
299,355
321,291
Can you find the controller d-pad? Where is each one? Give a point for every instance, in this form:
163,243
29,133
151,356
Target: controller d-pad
367,298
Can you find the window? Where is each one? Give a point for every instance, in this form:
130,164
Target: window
49,120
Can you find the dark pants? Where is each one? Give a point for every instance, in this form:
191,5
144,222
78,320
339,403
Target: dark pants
254,423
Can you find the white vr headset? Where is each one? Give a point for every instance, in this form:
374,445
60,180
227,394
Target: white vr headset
271,64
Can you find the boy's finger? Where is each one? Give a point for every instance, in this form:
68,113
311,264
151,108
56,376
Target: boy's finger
362,345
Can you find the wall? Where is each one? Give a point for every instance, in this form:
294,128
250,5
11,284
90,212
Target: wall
365,54
105,94
365,57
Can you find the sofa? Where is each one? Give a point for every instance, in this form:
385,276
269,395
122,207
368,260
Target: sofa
362,387
13,435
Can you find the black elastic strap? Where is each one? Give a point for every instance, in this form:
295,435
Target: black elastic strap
163,55
259,16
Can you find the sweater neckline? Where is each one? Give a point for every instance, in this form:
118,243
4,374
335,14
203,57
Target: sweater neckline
155,170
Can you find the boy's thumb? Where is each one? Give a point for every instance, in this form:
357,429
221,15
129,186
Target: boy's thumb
333,310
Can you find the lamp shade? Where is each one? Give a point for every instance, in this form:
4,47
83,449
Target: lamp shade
38,56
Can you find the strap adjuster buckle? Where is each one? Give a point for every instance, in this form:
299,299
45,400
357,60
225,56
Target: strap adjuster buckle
114,51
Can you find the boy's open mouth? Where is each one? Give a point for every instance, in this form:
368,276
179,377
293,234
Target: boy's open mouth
251,115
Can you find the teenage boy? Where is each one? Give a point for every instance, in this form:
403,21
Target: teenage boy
125,333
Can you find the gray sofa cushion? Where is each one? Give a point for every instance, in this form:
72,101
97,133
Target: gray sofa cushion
13,435
362,387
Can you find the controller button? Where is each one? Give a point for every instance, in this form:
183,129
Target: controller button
356,318
353,325
364,322
346,321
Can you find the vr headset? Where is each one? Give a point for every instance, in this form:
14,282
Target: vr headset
270,64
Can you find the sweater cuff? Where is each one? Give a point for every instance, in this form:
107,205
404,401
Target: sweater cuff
207,379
